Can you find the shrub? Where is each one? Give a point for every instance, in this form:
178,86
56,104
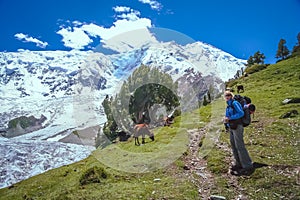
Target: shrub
255,68
93,175
231,83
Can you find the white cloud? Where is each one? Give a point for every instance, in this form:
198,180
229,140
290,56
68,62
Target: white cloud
155,5
77,23
129,16
27,38
121,9
126,13
129,40
74,38
78,35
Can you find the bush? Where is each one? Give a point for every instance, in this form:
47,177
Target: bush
255,68
296,52
93,175
231,83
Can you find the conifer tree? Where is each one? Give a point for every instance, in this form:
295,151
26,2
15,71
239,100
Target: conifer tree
297,46
282,51
205,102
257,58
250,61
143,88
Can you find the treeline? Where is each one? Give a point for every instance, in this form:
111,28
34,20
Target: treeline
282,53
256,62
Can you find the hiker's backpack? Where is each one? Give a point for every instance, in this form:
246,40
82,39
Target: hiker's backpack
247,106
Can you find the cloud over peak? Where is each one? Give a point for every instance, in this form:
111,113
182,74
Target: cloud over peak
78,35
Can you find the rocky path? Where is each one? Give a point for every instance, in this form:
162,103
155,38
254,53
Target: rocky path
196,168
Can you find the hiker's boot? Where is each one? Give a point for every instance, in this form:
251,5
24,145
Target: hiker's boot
243,172
235,167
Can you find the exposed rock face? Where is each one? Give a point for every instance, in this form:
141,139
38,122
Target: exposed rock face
22,125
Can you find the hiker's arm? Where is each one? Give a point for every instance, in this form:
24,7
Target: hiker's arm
239,111
226,117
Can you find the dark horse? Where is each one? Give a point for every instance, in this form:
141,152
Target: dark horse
141,130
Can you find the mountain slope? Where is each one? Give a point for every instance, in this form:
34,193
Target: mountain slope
271,141
50,75
68,88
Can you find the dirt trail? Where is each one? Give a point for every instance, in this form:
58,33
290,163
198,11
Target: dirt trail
196,168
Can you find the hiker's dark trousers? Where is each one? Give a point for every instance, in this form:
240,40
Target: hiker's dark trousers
239,150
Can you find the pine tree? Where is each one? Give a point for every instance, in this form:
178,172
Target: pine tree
282,51
257,58
205,102
144,88
250,61
297,46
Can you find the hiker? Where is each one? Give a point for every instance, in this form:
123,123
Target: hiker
234,112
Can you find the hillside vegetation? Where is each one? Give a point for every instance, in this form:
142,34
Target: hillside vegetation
273,144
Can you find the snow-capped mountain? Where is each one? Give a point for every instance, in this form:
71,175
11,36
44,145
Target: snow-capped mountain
68,87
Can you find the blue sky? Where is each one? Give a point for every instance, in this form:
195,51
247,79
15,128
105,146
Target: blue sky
238,27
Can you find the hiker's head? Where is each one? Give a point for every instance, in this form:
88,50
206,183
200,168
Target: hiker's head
228,95
252,108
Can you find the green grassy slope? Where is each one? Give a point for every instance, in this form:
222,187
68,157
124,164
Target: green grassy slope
270,140
121,164
65,183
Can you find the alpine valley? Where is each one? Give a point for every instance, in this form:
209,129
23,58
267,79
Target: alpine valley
62,92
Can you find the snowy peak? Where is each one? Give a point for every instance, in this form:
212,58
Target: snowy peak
174,59
54,73
48,73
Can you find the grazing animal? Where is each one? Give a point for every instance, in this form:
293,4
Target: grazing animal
123,136
240,88
168,120
142,130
